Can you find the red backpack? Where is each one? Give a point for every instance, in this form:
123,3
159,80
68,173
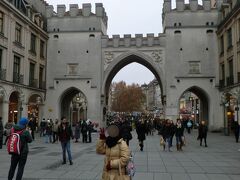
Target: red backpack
14,142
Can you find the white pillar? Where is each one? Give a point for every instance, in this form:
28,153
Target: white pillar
5,107
24,110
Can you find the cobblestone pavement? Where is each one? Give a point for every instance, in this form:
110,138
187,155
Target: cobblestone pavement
219,161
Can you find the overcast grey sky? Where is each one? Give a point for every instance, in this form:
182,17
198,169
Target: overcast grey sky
128,17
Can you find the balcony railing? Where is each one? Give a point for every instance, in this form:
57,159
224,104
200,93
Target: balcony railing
33,83
42,85
18,78
229,80
3,74
221,83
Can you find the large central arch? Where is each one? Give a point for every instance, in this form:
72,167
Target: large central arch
127,58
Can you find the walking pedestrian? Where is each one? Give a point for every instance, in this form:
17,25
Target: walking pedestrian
1,133
32,126
179,129
141,131
89,131
117,154
20,159
77,131
55,130
48,132
42,127
65,134
84,130
236,130
202,133
126,131
172,131
8,126
189,126
167,132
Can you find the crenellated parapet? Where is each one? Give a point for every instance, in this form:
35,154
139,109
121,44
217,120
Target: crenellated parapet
75,11
192,6
191,15
138,41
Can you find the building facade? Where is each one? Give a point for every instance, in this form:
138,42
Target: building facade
229,61
23,58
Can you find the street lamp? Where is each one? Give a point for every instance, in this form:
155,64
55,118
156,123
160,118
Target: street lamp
21,99
224,103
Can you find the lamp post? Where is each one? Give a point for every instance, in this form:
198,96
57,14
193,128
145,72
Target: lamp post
224,103
21,99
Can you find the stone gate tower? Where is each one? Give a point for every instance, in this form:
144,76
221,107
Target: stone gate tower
191,57
74,59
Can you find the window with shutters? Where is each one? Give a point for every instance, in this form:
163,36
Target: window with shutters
18,29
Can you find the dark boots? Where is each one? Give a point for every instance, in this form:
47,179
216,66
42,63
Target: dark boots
141,146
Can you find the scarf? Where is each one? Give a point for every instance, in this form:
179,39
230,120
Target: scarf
112,141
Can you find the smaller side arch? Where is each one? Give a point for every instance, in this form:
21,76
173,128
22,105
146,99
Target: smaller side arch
204,100
66,100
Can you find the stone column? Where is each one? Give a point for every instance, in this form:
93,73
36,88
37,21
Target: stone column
5,107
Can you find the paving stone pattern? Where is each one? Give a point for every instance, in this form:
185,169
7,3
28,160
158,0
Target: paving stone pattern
219,161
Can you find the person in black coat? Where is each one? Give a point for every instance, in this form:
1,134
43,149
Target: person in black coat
1,133
202,133
32,126
179,129
167,133
125,131
89,131
236,130
141,130
84,130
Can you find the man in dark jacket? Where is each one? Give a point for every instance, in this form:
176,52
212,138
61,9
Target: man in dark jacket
32,126
125,131
84,129
202,133
141,131
89,131
1,132
65,134
20,160
236,130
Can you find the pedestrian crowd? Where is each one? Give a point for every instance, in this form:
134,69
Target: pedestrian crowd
17,137
113,141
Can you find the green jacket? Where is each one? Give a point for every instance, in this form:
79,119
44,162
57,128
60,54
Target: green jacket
25,138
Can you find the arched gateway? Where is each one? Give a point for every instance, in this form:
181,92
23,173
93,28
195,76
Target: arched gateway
82,58
122,60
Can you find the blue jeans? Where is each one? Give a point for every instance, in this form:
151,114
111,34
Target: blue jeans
66,146
168,140
46,138
179,139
